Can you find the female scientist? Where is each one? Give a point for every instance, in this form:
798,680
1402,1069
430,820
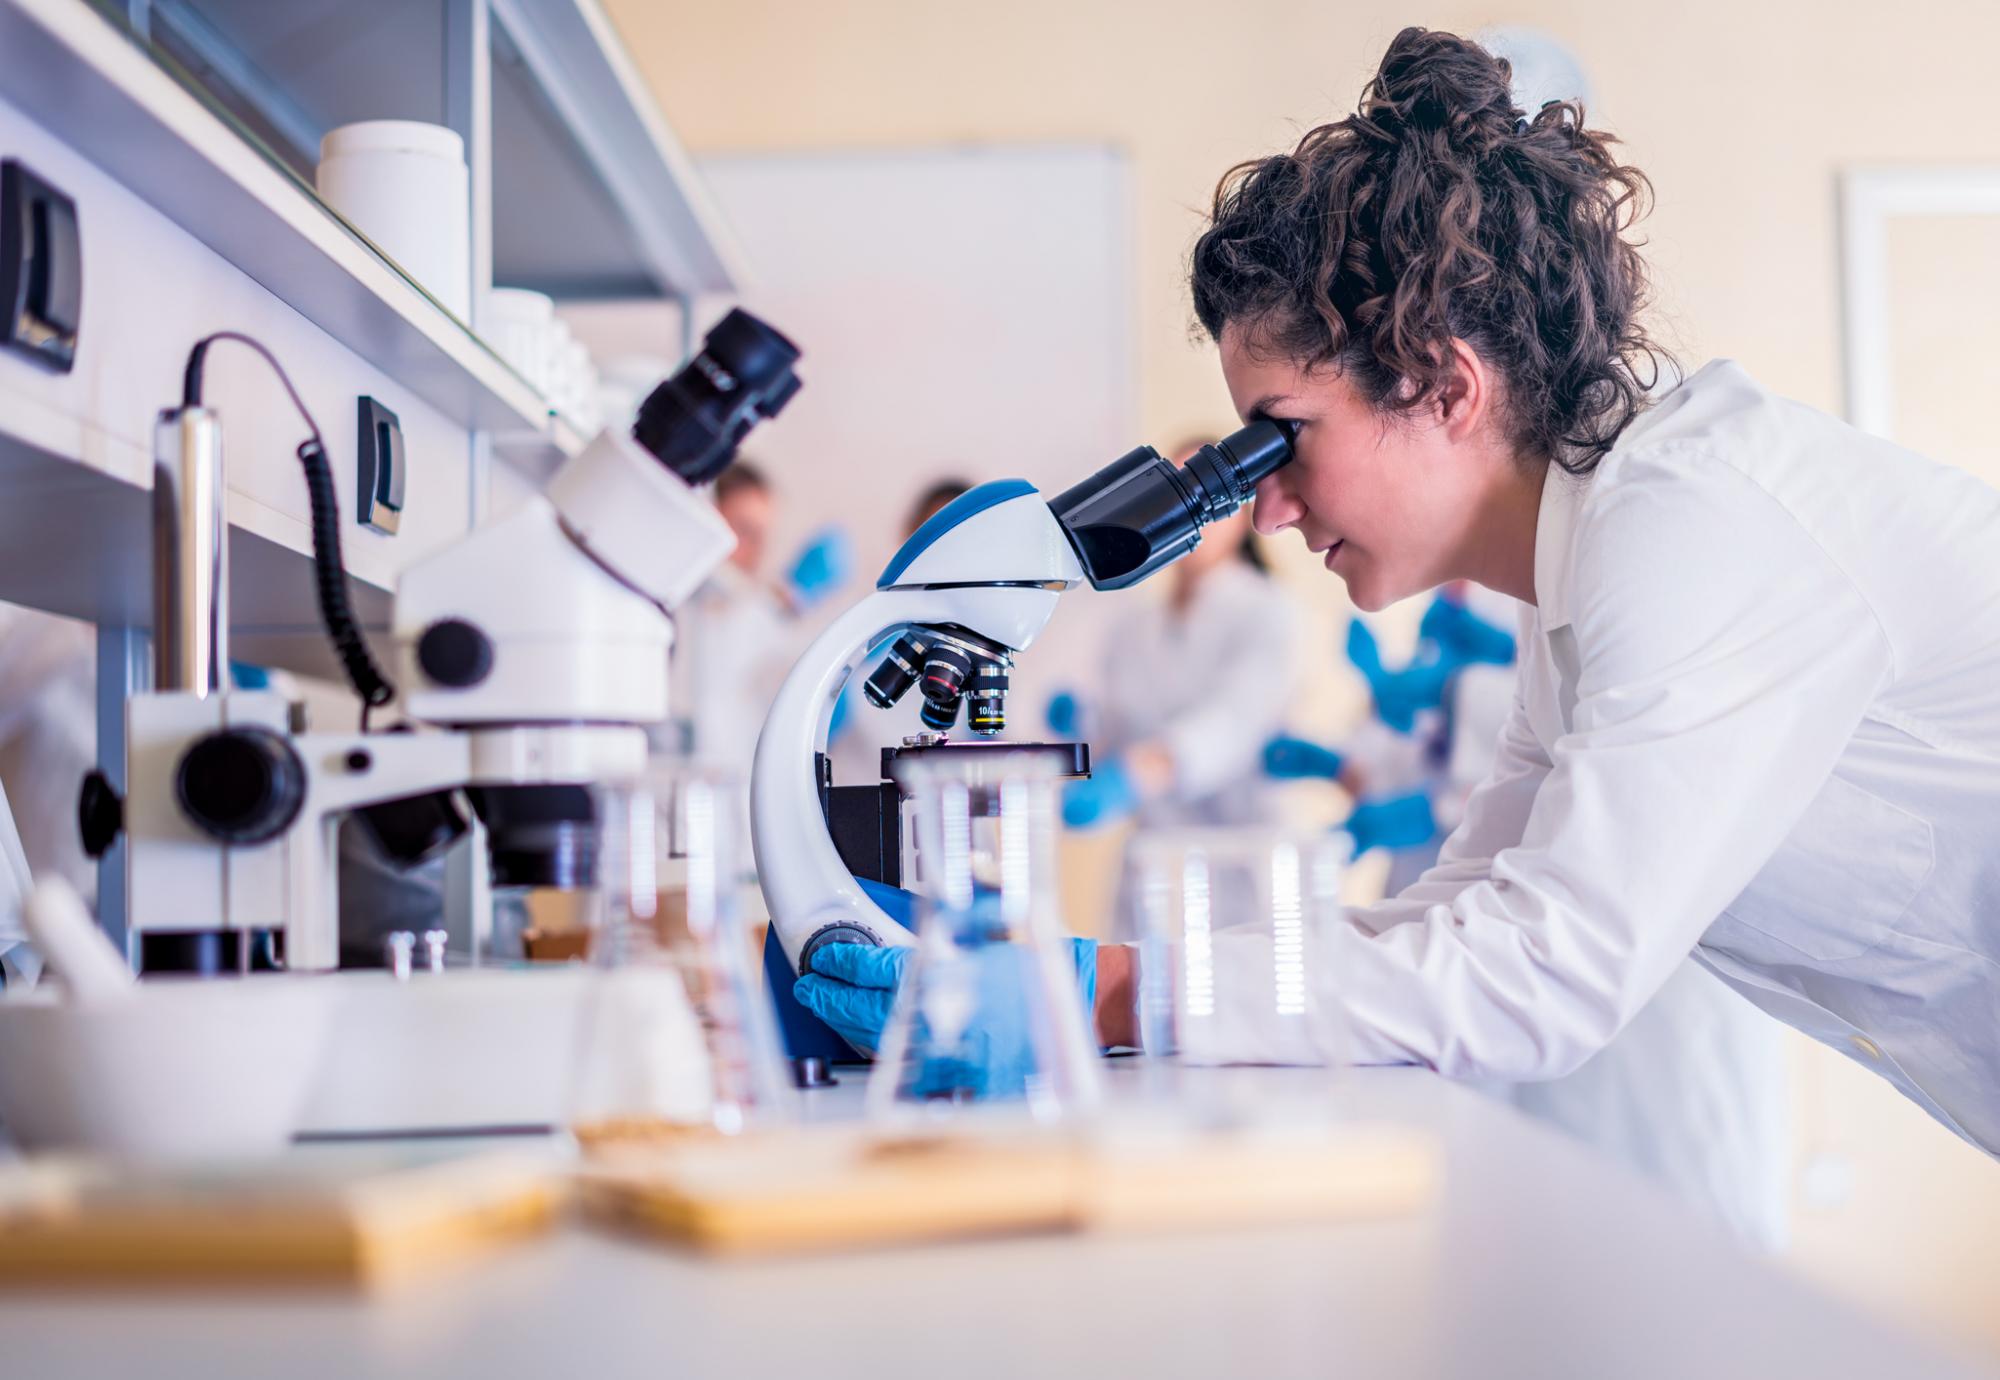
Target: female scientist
1759,705
1758,717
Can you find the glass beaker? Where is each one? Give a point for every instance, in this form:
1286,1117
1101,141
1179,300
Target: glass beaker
989,1010
1232,966
678,1033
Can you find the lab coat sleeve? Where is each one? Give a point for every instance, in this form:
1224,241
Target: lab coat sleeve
1721,662
1496,816
1223,741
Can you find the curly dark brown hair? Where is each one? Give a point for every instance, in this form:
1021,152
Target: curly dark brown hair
1439,210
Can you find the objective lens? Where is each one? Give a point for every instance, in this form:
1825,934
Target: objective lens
986,695
897,673
939,715
945,671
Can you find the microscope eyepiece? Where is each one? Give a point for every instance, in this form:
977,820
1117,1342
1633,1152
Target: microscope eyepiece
695,420
1141,512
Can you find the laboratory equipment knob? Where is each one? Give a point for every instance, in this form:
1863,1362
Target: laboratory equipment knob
241,785
454,653
100,814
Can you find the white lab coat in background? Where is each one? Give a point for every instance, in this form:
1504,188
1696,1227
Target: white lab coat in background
734,643
1759,719
1213,683
48,740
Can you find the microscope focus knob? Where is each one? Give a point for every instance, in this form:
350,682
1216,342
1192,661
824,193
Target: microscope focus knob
455,653
241,785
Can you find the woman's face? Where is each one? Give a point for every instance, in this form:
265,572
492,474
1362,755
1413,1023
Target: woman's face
1388,502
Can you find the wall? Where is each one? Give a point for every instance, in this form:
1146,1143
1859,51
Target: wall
1742,115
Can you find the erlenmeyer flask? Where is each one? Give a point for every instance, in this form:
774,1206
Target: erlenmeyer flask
676,1034
989,1010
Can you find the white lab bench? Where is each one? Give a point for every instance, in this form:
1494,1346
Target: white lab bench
1538,1259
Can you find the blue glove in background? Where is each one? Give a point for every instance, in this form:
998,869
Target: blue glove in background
1399,696
244,676
1104,797
1401,821
853,986
822,567
1464,638
1064,714
1293,759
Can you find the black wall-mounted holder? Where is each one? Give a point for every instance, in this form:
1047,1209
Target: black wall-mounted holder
379,486
41,268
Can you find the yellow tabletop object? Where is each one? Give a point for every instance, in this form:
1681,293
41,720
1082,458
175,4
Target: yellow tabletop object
829,1187
337,1214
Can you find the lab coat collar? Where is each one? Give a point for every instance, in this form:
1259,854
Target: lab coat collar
1555,534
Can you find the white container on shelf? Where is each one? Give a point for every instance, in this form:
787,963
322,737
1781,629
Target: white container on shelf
404,185
520,326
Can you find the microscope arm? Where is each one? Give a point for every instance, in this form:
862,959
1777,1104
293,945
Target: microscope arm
804,879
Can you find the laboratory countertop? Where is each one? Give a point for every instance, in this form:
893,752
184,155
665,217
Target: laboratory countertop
1536,1259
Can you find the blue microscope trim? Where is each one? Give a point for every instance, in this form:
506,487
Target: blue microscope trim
972,501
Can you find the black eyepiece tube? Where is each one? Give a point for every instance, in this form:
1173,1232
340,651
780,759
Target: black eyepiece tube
695,420
1140,512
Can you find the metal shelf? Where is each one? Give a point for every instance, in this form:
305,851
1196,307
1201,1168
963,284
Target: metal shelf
593,196
115,106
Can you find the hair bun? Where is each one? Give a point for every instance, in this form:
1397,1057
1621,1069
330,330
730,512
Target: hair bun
1439,81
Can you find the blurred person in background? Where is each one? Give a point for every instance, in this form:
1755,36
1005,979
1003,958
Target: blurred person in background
738,636
48,740
1187,691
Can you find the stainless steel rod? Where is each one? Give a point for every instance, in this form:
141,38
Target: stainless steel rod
190,554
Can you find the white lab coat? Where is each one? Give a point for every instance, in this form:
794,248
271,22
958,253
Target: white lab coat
1213,683
1693,1092
48,740
734,643
1759,719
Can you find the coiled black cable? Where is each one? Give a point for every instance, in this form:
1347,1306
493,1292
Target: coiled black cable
343,629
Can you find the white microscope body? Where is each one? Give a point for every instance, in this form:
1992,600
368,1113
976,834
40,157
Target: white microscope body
992,563
983,575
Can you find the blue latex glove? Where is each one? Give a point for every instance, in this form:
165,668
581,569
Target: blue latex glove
1399,696
1401,821
244,676
1064,714
822,567
1293,759
1104,797
853,986
1464,638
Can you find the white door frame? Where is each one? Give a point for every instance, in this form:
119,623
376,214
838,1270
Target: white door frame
1869,197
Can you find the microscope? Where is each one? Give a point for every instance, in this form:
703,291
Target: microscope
533,655
968,591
